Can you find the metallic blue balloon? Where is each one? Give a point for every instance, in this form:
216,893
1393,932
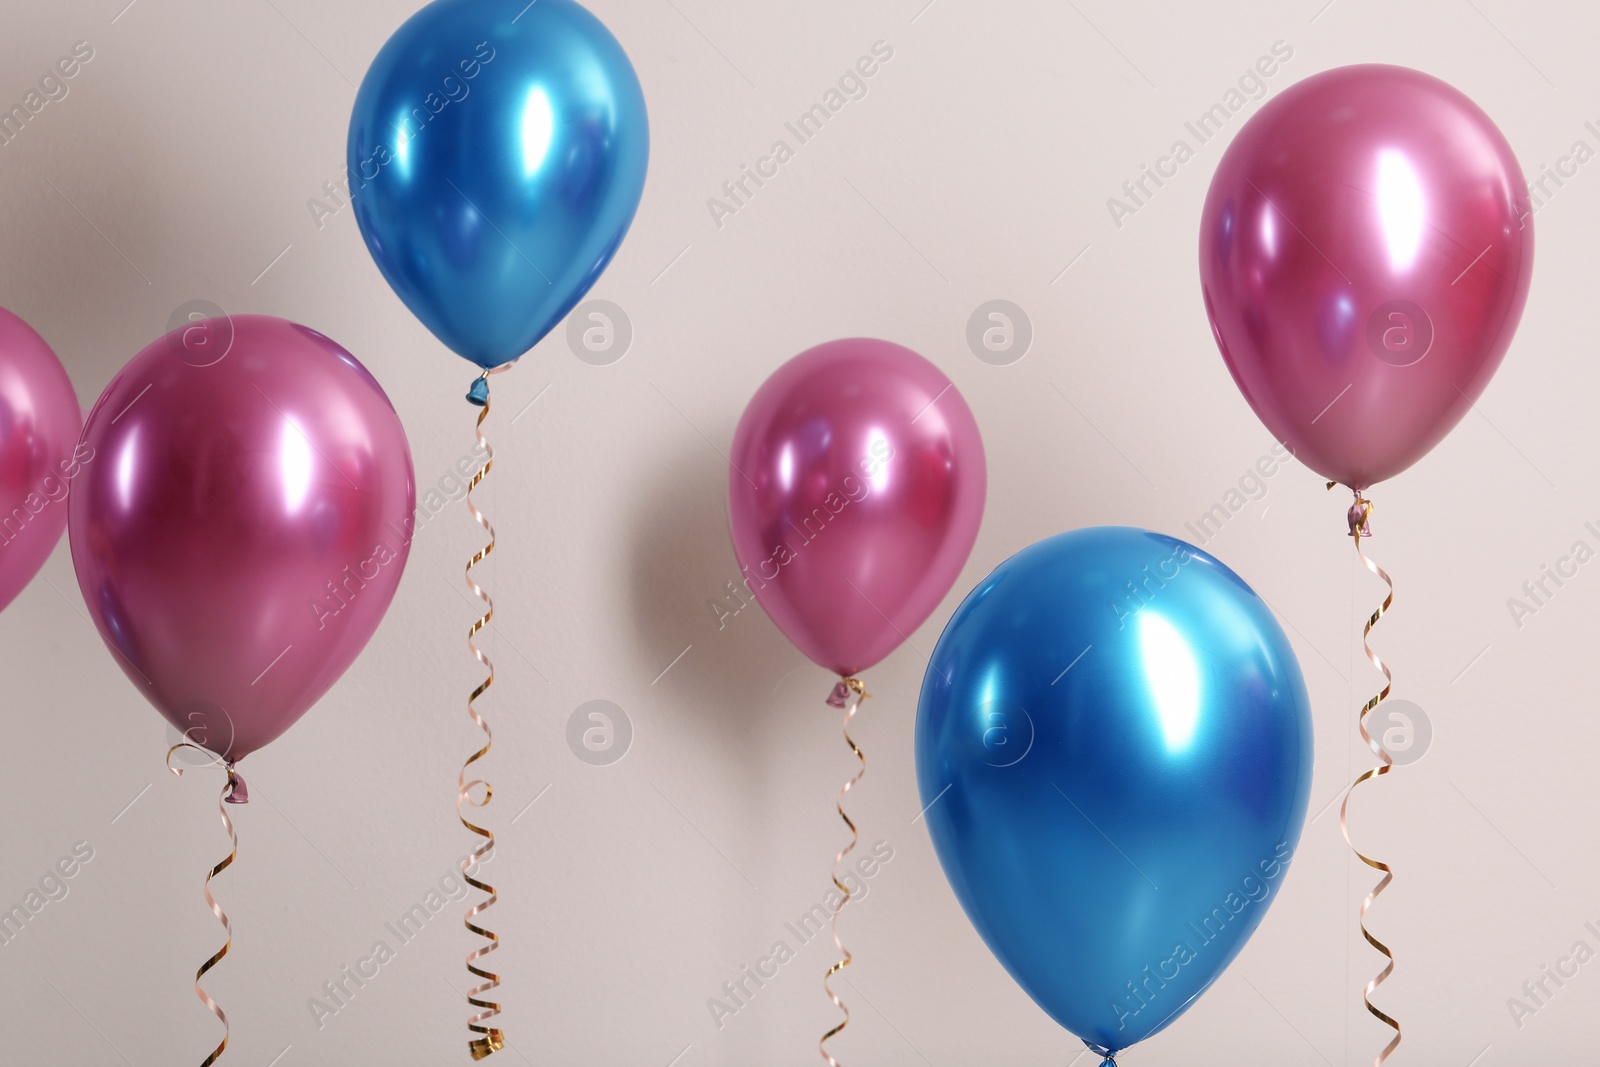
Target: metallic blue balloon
497,154
1114,750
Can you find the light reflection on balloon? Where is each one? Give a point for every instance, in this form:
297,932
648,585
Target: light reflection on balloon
127,466
1402,213
294,465
1174,679
538,127
402,152
878,441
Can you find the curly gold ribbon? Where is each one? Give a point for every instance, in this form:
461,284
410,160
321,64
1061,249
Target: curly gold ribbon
849,694
490,1039
227,796
1360,513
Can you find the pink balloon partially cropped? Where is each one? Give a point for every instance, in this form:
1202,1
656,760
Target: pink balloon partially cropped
855,490
1365,254
39,424
243,525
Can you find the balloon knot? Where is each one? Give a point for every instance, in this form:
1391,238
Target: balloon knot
841,692
238,792
1359,517
479,393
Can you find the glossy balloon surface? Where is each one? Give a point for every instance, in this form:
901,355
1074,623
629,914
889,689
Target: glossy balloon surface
1365,253
496,155
855,491
244,524
1113,749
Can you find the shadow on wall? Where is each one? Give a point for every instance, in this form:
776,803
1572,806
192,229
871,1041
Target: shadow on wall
66,281
92,232
681,569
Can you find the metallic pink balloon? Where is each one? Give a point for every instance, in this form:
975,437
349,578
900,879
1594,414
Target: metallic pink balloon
243,525
855,491
1365,253
39,424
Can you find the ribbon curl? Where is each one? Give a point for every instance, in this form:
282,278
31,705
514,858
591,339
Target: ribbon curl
1359,518
490,1039
848,694
233,792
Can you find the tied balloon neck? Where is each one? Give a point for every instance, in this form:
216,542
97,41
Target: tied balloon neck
842,691
1359,517
238,792
478,395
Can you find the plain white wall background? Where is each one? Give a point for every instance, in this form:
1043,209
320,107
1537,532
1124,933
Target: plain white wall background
978,167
